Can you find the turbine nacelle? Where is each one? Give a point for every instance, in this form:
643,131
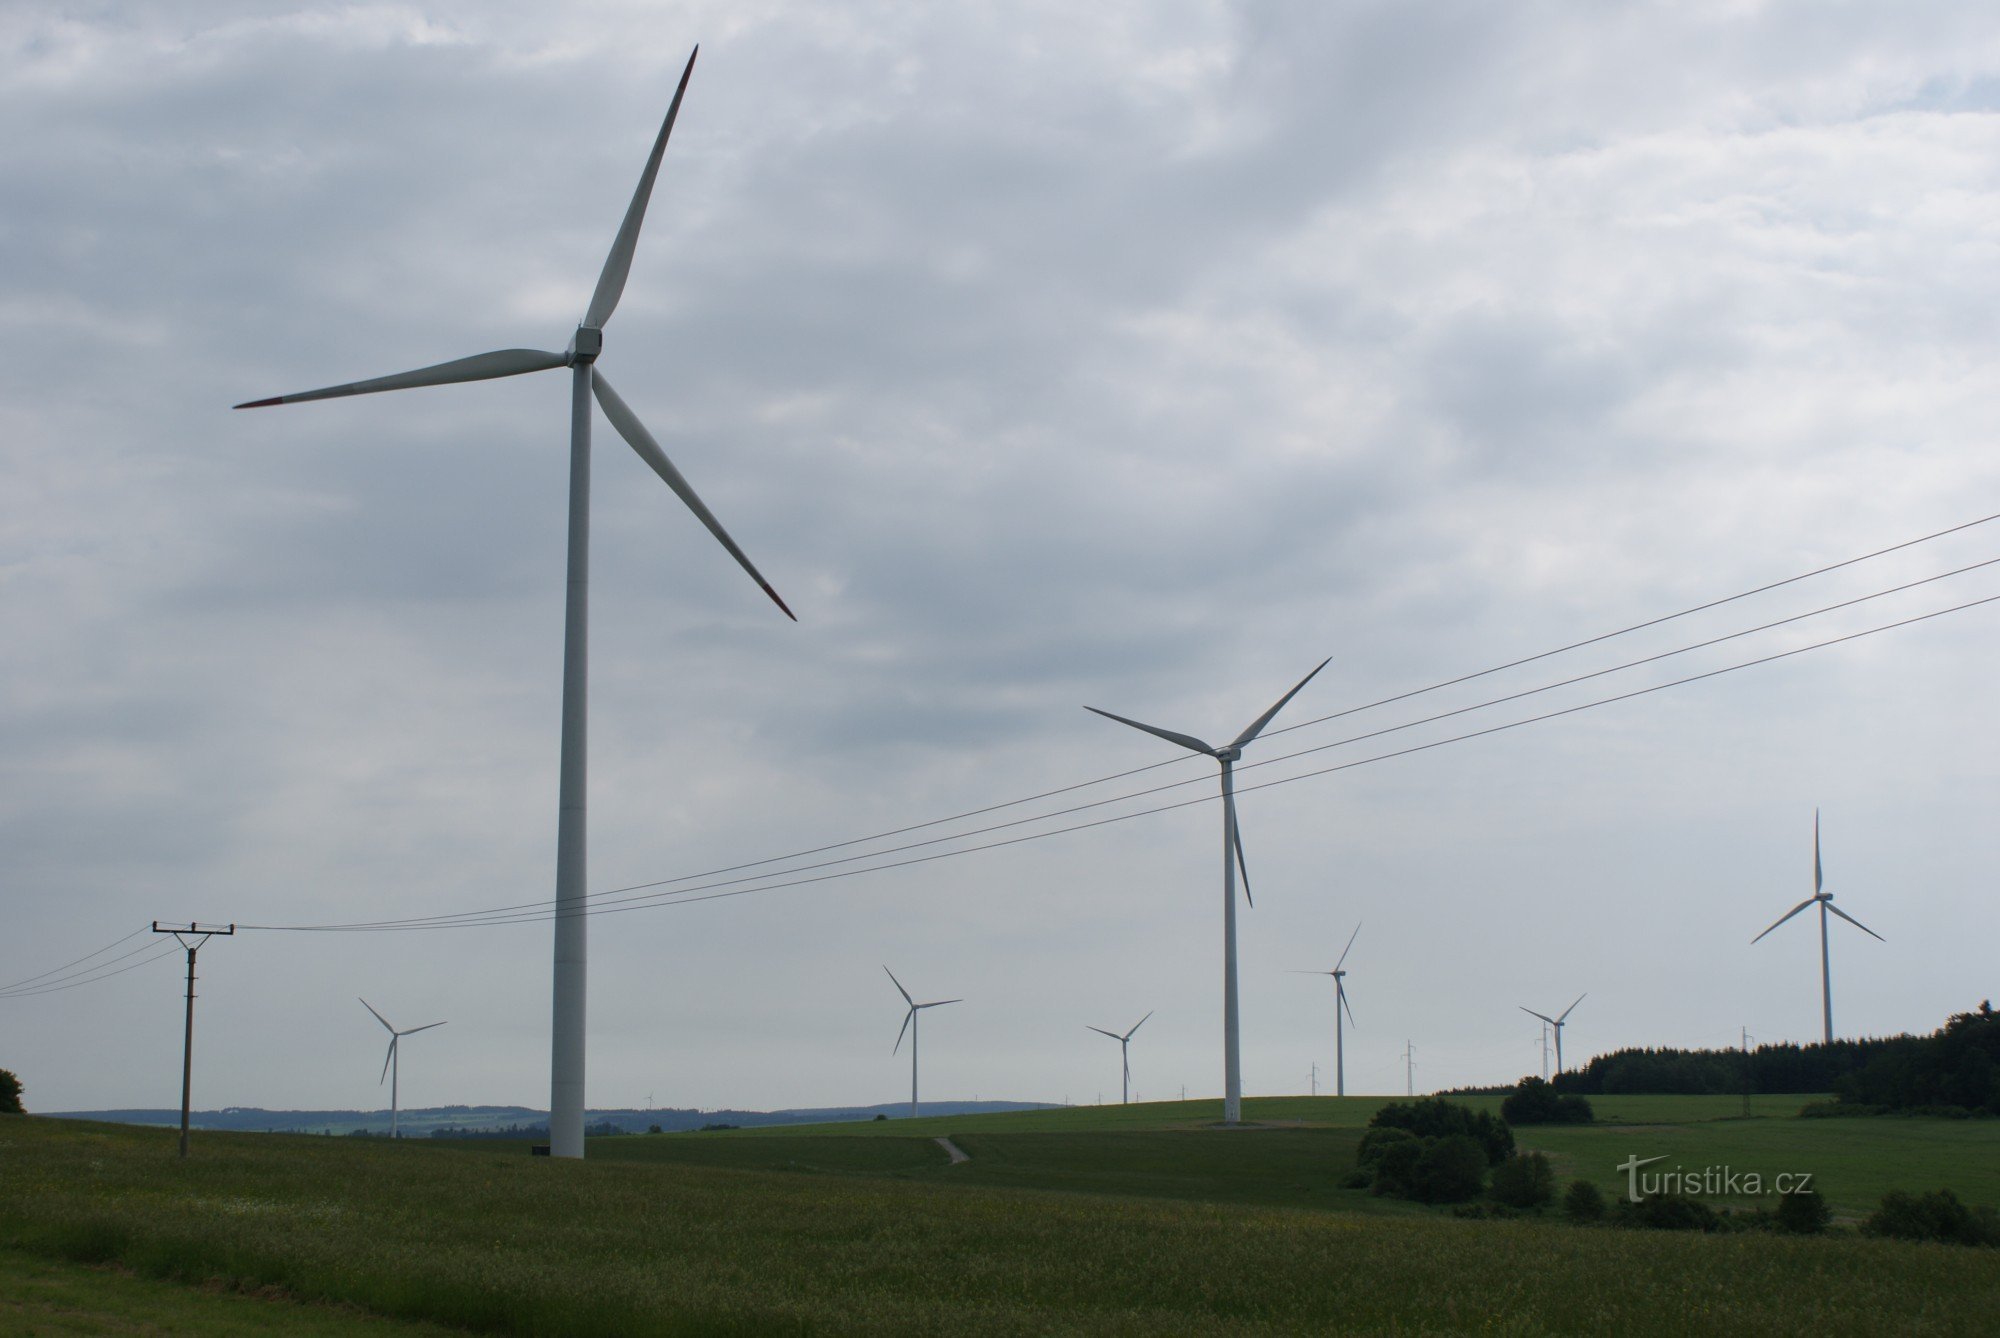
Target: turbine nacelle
584,345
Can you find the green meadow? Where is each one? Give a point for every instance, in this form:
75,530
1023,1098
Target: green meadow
1101,1219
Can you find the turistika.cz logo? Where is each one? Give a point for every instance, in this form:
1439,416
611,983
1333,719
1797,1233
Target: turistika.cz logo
1707,1181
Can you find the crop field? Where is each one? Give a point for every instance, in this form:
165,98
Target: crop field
1102,1220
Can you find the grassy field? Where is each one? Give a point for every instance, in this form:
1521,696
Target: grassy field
46,1297
1338,1111
1298,1160
1180,1230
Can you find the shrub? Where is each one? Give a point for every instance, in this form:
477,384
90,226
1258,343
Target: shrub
10,1094
1668,1212
1378,1141
1396,1167
1935,1216
1451,1169
1524,1181
1583,1202
1434,1117
1803,1212
1535,1102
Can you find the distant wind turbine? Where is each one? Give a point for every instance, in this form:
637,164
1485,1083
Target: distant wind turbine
1557,1023
1232,860
910,1025
1124,1056
1824,899
1339,1003
391,1068
566,1058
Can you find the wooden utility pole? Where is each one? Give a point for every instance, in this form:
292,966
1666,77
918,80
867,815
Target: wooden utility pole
1746,1073
190,938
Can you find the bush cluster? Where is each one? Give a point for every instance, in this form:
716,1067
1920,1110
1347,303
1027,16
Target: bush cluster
1935,1216
1533,1101
1524,1181
1431,1150
10,1094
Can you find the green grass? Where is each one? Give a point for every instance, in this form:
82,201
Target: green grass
1852,1162
1338,1111
851,1239
39,1296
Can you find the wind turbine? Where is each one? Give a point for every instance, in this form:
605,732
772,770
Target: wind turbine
1124,1056
391,1069
1557,1023
1825,902
1339,1002
566,1048
910,1025
1232,860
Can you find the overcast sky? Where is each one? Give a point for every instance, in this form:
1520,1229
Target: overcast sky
1131,355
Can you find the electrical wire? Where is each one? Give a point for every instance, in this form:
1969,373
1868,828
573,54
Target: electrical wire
1179,761
93,976
688,896
78,962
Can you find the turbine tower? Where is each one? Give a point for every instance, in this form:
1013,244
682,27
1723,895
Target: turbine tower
391,1068
1232,860
1824,899
1557,1023
910,1025
566,1048
1124,1056
1339,1003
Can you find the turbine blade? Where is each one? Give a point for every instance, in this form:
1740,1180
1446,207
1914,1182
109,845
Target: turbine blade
378,1017
1572,1008
1851,920
1188,741
939,1003
630,428
387,1060
478,367
899,987
1135,1026
1788,915
1102,1032
904,1028
1236,840
611,282
1350,943
1257,726
1819,878
1340,992
414,1030
1532,1013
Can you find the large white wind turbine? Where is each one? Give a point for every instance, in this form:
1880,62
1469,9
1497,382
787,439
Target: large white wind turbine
1232,860
910,1025
1339,1003
1124,1056
391,1068
1557,1023
566,1057
1824,900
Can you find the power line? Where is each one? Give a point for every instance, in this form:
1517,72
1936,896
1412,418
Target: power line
687,896
92,977
1651,622
78,962
531,906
